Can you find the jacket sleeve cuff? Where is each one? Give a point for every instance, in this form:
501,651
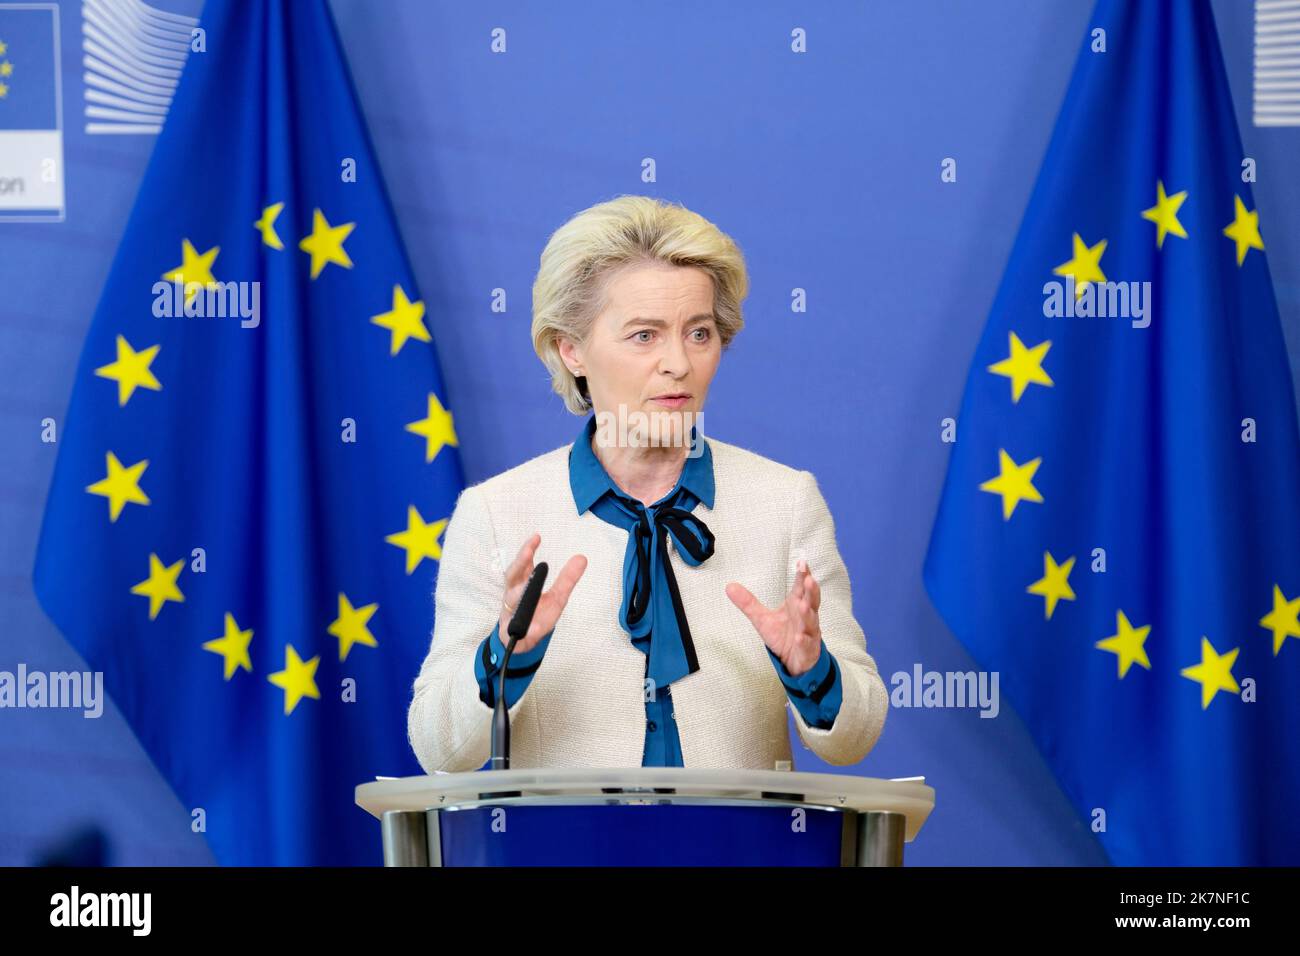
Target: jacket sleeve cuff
816,693
487,667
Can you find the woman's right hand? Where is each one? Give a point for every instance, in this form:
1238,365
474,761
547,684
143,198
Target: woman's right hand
551,602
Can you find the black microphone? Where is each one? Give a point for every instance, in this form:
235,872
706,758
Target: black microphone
516,629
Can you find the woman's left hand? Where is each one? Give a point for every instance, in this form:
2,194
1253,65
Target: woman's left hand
792,631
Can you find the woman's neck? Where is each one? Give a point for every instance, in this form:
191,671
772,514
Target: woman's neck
646,474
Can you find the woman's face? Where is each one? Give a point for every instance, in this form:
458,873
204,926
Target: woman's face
656,337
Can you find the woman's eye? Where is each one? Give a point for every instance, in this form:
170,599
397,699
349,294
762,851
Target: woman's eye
701,334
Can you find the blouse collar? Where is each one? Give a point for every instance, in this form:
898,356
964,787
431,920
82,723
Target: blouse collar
589,480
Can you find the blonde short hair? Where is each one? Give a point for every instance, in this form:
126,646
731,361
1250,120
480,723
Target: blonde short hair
583,254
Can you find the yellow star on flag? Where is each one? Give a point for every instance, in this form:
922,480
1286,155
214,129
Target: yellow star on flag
1213,673
1127,644
233,646
266,226
1165,214
1085,265
120,486
1282,620
195,271
1023,366
405,320
297,680
350,626
419,540
326,243
4,48
1244,230
6,68
160,586
1014,483
4,90
131,370
436,428
1054,585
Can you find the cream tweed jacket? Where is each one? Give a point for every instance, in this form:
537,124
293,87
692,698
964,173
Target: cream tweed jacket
585,706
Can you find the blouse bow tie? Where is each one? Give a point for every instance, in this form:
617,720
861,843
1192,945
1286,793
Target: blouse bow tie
652,605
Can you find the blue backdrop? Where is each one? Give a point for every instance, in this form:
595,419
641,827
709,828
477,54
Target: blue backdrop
824,166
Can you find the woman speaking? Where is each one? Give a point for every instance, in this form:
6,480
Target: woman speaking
700,588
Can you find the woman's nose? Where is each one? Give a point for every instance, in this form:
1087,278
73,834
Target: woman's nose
674,361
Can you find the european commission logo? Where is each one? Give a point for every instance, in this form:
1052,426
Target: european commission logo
1277,63
133,55
31,114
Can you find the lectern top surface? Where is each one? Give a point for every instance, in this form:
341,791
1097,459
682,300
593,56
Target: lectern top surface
912,798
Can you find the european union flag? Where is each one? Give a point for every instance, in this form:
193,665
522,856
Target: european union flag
28,82
258,460
1119,532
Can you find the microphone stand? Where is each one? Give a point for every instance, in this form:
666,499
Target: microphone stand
517,628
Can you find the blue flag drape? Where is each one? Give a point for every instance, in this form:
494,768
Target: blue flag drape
1119,531
258,460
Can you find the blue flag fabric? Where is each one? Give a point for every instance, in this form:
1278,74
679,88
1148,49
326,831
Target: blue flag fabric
1119,530
243,528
